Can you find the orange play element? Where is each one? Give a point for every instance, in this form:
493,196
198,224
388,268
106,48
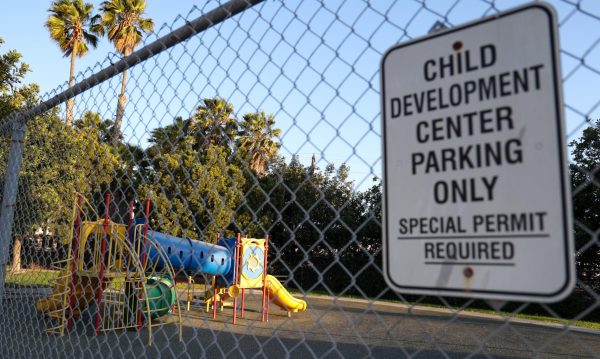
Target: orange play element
84,290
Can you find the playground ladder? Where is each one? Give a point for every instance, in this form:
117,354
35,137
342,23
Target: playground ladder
60,295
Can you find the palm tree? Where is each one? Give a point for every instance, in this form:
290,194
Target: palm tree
125,27
166,139
214,124
257,140
73,27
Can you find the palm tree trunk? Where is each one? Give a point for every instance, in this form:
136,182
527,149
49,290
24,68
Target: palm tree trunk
116,135
15,266
71,102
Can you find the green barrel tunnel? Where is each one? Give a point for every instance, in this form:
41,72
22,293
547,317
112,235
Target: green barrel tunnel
160,295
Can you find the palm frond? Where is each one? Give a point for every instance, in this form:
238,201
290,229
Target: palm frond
124,24
68,23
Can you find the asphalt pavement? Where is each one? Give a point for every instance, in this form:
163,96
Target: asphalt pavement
330,328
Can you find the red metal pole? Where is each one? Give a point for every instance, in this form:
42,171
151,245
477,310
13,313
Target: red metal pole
268,303
243,302
131,216
215,300
265,304
262,303
236,272
129,224
265,271
241,265
127,264
139,311
74,268
144,261
146,226
102,255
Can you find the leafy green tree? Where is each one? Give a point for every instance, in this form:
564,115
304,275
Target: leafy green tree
194,193
211,124
73,27
585,182
127,176
315,220
368,252
257,141
198,177
59,162
125,26
100,127
13,95
167,138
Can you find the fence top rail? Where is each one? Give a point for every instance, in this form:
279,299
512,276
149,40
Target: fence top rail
191,28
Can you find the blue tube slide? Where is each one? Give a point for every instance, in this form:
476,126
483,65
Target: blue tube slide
193,256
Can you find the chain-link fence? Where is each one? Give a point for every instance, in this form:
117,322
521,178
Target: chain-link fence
228,202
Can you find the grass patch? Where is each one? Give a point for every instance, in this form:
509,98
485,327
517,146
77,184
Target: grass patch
575,323
569,322
31,278
118,283
46,278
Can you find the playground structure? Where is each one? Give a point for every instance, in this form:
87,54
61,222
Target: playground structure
235,264
127,274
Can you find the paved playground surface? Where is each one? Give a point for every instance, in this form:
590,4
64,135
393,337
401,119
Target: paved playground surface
331,328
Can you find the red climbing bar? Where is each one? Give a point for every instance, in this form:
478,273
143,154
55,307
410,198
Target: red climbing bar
236,277
146,226
144,260
102,256
131,216
129,224
215,300
265,272
265,301
243,302
74,264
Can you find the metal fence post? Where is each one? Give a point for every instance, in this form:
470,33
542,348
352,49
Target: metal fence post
9,197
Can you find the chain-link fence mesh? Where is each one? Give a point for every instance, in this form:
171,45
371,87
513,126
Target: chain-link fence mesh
236,209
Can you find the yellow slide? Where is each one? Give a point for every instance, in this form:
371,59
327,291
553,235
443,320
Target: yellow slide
282,298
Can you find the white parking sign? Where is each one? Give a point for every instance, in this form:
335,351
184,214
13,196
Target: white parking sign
476,190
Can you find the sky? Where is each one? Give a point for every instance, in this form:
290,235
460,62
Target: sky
314,65
22,28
